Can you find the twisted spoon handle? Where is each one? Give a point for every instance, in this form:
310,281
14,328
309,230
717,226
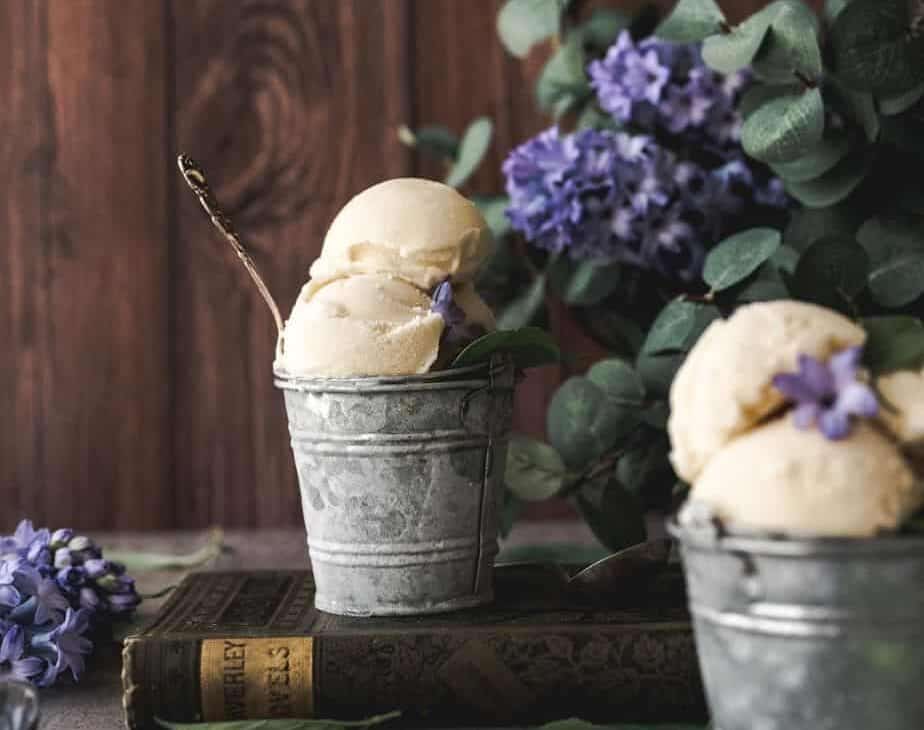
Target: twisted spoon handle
195,178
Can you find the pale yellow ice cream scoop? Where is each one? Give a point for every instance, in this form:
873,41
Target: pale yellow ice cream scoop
421,230
903,408
725,387
782,479
361,325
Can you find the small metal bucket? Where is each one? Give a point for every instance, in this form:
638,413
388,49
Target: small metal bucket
400,480
807,634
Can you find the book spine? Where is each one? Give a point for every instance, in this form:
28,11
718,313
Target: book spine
602,674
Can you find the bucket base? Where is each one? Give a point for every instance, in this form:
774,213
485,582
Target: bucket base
398,609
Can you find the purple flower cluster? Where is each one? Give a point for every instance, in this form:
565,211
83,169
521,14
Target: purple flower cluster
655,200
53,587
619,197
828,394
655,85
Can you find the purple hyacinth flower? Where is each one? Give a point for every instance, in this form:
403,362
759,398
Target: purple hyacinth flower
49,604
96,567
68,639
89,598
828,394
645,77
13,665
9,595
123,602
442,303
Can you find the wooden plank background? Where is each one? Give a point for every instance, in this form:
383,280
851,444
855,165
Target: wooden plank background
135,382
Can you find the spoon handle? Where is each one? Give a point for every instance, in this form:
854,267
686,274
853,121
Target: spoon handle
195,178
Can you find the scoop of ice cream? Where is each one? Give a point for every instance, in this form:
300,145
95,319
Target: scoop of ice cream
361,325
724,387
420,230
903,409
783,479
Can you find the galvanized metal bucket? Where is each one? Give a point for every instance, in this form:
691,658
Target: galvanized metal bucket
807,634
400,480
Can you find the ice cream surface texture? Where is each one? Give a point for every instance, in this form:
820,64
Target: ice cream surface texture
366,309
903,408
780,478
421,230
724,386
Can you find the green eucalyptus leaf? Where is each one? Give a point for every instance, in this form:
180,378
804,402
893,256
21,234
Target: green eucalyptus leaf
591,282
899,103
784,128
899,281
437,141
136,561
790,48
613,513
814,163
739,256
807,225
528,346
571,416
831,272
874,48
472,149
893,343
593,117
672,327
833,8
534,470
834,185
892,237
785,259
763,289
523,23
732,51
493,209
602,27
523,309
905,132
658,371
646,472
691,21
759,94
280,724
619,382
564,76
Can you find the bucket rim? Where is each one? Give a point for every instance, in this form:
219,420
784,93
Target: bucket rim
480,372
762,542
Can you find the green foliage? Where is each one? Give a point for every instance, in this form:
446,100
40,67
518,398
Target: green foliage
436,141
563,83
814,163
535,470
586,282
528,346
590,415
492,207
614,513
893,343
137,562
523,23
739,256
875,48
601,29
785,128
472,149
831,272
899,281
899,103
692,20
734,50
833,186
790,48
677,327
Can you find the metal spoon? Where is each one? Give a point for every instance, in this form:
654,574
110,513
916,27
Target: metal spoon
195,178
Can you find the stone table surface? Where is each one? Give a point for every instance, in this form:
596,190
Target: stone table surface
96,702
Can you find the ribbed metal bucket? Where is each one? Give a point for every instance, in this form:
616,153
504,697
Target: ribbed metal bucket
820,634
400,480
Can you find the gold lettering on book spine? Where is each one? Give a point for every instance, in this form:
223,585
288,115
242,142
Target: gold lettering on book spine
256,679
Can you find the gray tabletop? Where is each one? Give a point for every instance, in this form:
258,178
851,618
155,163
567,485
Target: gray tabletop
95,703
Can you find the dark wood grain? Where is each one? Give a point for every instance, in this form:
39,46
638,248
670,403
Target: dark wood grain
291,107
83,221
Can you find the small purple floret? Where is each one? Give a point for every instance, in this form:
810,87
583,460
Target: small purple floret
828,394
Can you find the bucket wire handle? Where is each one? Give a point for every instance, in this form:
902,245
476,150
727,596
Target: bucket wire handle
195,178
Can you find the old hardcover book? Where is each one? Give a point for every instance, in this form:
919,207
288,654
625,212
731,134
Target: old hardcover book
232,646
